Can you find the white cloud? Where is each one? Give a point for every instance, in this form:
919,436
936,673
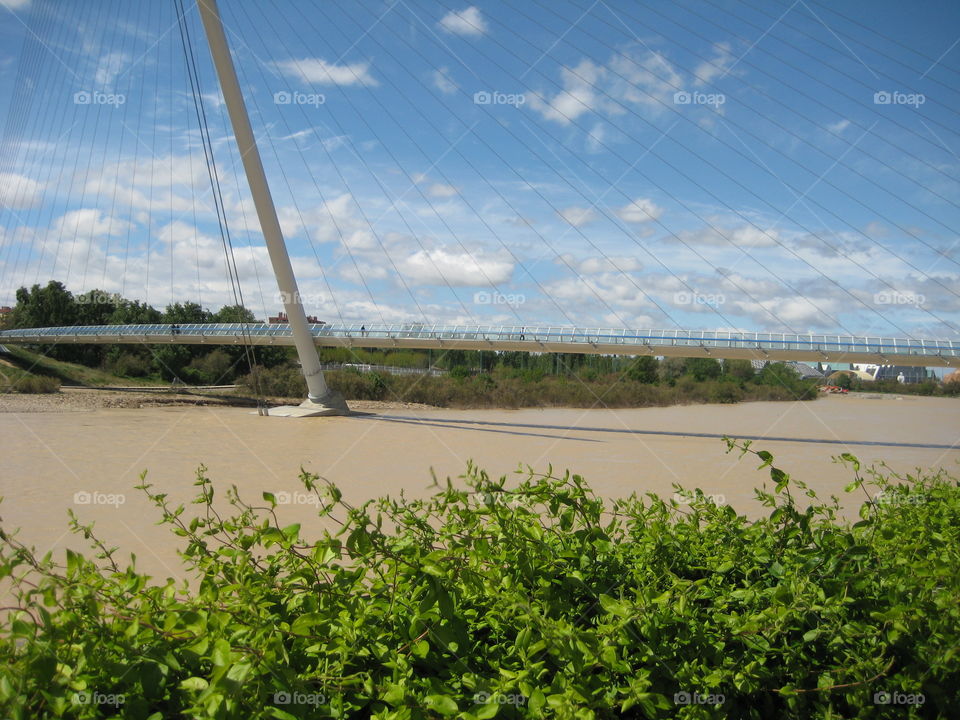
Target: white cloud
443,82
18,191
14,4
640,210
839,126
645,79
464,22
439,267
744,236
594,265
319,72
718,66
439,190
578,216
109,67
88,223
579,94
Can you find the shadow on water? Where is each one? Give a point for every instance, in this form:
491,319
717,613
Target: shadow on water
444,425
491,426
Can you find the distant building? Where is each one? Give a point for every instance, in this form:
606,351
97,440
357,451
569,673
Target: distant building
282,319
804,370
893,372
5,310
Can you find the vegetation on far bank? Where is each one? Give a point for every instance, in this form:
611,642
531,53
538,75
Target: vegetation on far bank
646,382
529,600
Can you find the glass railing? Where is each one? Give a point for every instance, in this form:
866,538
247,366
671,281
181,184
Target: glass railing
535,336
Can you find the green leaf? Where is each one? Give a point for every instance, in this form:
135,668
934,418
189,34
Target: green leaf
194,683
442,704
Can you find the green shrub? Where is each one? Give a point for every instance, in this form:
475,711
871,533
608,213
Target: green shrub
35,385
283,381
130,365
481,601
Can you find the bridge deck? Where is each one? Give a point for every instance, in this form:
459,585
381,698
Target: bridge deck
605,341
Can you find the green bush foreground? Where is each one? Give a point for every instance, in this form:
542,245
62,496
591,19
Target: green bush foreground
480,602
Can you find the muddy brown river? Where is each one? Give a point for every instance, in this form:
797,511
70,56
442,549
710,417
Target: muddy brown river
90,461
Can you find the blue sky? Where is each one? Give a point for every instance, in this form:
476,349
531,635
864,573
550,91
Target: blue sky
755,165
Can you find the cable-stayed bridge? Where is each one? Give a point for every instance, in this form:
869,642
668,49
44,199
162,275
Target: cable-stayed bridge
606,341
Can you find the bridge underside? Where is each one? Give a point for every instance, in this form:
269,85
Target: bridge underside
715,344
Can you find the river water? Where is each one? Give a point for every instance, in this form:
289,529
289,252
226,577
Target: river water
90,461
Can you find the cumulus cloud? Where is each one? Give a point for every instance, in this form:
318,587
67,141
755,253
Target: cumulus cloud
18,192
578,216
640,210
644,80
464,22
715,67
88,223
439,267
579,94
317,71
440,190
746,236
594,265
108,67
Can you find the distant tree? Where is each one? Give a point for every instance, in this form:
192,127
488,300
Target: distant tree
214,368
671,368
49,306
186,313
96,307
134,312
739,369
703,368
844,381
233,314
643,369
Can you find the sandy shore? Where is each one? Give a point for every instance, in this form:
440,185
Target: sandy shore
54,461
83,399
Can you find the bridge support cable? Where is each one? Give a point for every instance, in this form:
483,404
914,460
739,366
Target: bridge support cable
694,182
320,398
226,240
